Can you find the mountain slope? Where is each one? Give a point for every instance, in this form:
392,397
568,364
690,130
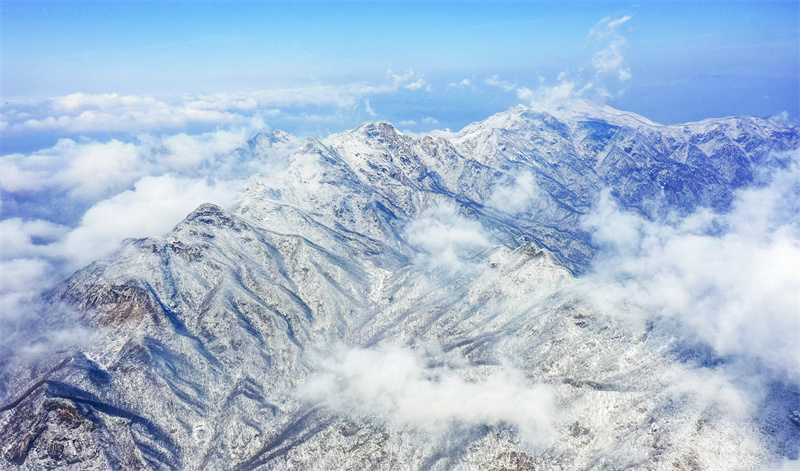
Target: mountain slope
391,301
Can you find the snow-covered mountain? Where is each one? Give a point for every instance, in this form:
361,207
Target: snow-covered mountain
380,300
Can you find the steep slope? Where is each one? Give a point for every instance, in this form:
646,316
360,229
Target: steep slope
391,301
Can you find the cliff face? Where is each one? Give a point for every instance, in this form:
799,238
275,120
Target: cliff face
381,300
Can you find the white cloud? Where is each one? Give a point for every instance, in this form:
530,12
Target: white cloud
408,123
605,72
519,196
545,97
20,238
153,207
448,239
92,170
495,81
21,281
736,292
462,84
95,169
609,62
86,170
417,84
430,120
57,339
181,152
13,178
85,113
132,189
368,108
81,113
394,385
410,80
82,101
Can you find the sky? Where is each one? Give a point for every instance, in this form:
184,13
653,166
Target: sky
314,68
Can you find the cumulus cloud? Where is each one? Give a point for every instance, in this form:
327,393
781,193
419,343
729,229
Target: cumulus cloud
95,169
545,96
81,101
87,169
153,207
21,282
411,389
19,238
735,291
88,113
102,192
92,170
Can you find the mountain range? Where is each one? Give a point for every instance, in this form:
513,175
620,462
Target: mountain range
387,300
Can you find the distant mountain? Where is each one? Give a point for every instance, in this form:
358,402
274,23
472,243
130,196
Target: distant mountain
380,300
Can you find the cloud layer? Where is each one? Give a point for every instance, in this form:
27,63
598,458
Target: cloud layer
84,113
731,281
411,389
72,203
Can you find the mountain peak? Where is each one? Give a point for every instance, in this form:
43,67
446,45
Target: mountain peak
574,110
381,129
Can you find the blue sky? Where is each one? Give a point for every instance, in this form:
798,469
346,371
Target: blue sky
685,61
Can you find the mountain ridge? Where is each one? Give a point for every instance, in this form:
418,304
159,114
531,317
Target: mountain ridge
255,336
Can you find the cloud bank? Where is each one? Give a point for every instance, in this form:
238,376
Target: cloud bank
730,281
68,205
84,113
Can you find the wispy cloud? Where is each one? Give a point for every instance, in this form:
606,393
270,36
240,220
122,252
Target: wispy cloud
448,240
464,84
522,194
410,80
609,61
496,81
600,79
368,108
